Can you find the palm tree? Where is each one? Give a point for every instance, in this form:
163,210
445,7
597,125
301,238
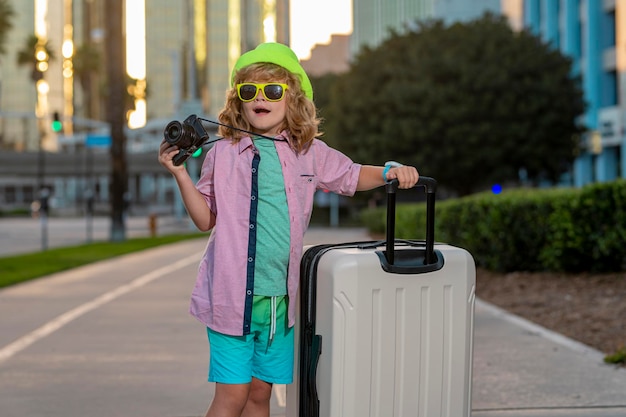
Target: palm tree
35,54
6,24
87,63
116,116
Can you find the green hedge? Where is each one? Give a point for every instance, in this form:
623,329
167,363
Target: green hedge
560,229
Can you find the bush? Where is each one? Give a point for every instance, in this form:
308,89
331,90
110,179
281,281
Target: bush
508,230
588,230
17,212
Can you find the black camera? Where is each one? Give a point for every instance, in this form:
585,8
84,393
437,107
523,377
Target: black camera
188,136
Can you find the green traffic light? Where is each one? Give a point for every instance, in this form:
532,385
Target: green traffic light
57,124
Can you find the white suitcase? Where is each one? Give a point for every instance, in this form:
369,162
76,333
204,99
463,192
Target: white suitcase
385,329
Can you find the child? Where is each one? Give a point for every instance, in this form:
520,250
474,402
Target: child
256,195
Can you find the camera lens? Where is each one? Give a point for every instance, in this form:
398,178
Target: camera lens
173,132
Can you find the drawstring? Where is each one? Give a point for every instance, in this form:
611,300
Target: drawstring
272,320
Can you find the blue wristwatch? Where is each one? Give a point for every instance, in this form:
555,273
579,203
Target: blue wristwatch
388,166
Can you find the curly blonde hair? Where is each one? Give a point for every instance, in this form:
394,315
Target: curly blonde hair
300,117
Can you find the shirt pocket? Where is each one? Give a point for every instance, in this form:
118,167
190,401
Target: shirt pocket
307,183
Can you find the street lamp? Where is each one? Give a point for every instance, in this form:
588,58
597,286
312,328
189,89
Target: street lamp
42,91
41,62
41,66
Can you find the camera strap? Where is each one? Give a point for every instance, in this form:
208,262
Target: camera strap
235,128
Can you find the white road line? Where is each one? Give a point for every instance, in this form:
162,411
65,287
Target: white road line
65,318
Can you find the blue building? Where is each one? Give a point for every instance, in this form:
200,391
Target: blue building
593,34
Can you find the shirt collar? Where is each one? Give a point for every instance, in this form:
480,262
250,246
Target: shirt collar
246,141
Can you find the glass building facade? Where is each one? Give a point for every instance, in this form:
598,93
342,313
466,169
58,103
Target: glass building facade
593,34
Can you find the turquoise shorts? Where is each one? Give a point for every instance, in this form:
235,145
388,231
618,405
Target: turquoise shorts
236,359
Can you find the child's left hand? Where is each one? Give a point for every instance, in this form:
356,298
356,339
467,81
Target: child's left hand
407,176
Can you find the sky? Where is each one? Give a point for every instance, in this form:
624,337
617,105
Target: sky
313,21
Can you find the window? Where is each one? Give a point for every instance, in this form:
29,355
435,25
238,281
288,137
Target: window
609,89
607,29
9,194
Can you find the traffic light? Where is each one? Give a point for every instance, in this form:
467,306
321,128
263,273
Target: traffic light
57,124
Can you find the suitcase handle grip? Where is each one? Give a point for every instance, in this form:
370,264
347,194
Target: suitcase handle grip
431,188
428,182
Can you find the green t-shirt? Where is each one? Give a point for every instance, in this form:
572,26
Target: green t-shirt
272,233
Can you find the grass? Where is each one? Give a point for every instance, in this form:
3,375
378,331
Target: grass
619,357
21,268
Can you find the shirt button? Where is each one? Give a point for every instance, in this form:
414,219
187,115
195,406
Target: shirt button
253,198
250,259
251,226
249,292
253,170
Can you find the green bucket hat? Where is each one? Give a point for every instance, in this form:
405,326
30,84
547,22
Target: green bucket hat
279,54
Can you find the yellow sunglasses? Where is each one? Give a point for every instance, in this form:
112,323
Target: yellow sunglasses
272,91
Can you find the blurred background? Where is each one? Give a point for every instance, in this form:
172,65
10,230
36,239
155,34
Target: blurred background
87,86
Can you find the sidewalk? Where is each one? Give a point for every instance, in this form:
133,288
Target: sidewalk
24,234
520,369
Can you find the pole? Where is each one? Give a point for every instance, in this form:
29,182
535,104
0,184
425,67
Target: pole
44,196
334,210
90,194
44,193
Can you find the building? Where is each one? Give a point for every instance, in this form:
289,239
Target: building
26,106
178,58
374,18
593,34
333,58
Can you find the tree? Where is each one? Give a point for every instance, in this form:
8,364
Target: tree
87,61
116,82
470,104
6,24
87,64
322,86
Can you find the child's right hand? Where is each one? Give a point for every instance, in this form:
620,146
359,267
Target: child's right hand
167,153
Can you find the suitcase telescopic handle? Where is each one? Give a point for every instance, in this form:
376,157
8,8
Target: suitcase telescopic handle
431,188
